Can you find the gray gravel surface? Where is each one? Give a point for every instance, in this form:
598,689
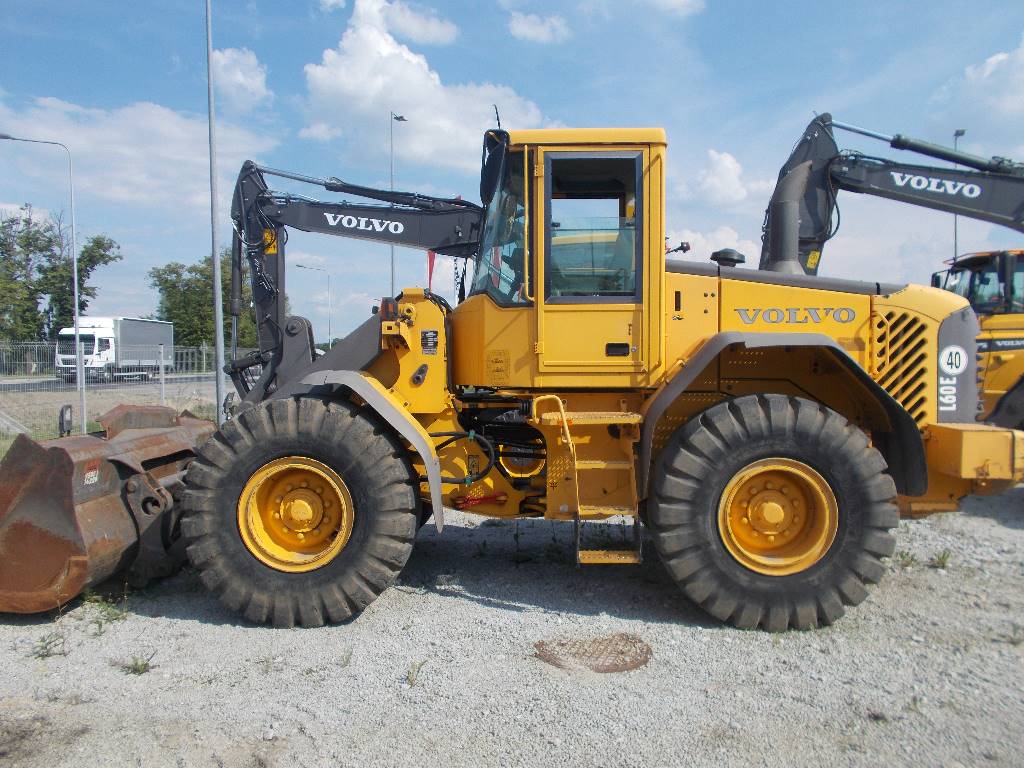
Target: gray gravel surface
441,669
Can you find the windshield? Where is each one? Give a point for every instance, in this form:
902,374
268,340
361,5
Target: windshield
498,270
66,343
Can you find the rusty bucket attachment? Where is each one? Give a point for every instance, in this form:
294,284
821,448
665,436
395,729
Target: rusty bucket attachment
76,510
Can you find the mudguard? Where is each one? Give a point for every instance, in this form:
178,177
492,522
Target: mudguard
902,447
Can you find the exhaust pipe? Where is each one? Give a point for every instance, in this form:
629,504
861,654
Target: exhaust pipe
77,510
784,218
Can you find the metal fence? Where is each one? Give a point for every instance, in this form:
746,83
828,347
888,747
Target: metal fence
37,379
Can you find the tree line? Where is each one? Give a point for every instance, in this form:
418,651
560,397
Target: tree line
37,300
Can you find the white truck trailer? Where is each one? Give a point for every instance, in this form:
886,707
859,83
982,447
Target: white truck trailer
116,347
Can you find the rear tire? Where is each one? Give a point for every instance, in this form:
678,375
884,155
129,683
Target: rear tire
349,444
700,538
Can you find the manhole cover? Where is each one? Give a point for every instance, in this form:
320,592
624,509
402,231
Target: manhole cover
609,653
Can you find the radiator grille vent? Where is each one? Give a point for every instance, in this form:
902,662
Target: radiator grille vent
901,361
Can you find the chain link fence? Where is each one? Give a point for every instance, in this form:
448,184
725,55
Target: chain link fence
37,379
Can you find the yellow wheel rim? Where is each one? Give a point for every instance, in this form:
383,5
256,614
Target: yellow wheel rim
295,514
778,517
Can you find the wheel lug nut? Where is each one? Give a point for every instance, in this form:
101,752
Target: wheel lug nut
770,538
784,489
769,486
301,536
287,529
279,499
277,515
744,503
289,487
746,521
304,484
319,490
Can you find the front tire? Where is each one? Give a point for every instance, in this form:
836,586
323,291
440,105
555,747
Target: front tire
300,511
772,511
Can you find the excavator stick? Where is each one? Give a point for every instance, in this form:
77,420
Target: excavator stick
77,510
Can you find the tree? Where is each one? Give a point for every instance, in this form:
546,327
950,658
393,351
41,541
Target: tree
186,299
35,267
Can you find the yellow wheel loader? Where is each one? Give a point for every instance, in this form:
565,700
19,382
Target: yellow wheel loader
993,282
761,427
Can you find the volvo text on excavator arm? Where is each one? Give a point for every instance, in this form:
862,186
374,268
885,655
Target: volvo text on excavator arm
988,189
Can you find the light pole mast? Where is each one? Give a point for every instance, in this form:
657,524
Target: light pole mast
218,303
79,362
956,248
391,130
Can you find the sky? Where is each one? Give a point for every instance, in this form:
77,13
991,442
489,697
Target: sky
309,85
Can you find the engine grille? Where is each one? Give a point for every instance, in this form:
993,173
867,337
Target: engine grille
901,360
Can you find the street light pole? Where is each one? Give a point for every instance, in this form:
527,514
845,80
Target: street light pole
330,304
956,249
391,129
218,303
79,361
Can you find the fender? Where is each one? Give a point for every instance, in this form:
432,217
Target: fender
390,409
902,446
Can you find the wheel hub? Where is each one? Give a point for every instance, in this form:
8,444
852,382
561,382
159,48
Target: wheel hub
295,514
778,516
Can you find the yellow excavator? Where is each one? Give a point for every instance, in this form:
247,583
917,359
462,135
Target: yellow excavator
762,428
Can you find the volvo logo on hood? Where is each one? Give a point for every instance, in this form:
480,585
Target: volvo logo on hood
364,223
796,315
930,184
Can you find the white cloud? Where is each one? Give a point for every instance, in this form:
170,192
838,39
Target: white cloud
424,27
370,73
678,7
538,29
331,5
240,79
995,85
138,154
722,181
320,132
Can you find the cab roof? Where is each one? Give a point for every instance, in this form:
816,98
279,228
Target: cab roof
589,136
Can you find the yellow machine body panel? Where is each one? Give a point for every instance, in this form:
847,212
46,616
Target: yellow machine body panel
1001,347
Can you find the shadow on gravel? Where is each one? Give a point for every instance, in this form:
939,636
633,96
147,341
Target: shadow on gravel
518,566
1007,508
487,565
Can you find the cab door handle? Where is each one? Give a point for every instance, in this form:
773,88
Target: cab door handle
616,349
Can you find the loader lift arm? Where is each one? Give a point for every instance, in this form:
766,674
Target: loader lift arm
260,218
988,189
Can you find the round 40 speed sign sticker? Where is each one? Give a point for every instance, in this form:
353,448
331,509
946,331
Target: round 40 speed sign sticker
953,360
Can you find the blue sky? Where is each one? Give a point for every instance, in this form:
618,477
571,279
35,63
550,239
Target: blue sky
307,85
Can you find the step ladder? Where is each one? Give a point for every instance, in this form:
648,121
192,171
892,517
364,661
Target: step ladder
627,556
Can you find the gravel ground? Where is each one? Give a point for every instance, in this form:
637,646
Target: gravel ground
441,669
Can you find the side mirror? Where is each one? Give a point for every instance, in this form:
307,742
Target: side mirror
937,279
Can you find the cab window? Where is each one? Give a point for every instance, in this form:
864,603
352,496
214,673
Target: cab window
498,269
103,345
592,221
